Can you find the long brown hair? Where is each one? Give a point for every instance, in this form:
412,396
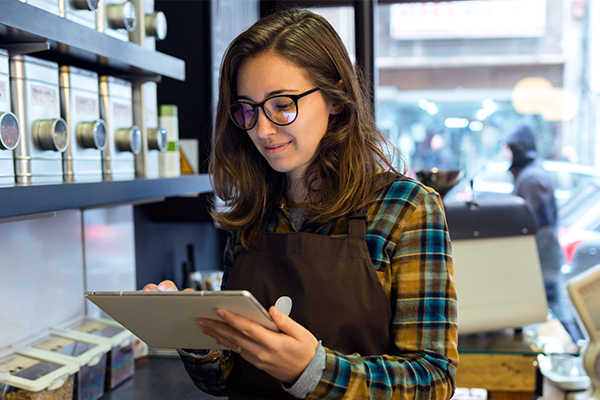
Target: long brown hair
341,177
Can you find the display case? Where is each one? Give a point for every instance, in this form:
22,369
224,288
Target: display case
24,375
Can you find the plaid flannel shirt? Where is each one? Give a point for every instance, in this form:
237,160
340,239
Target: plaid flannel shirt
409,244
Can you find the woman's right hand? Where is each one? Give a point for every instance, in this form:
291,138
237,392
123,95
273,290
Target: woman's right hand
164,286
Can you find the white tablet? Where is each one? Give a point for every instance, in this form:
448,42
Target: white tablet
170,319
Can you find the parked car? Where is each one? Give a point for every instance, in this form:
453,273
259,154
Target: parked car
578,197
496,180
579,229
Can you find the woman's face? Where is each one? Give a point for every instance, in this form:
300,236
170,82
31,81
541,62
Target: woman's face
288,149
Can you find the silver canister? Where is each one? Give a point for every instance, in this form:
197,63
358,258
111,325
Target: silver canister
145,110
9,126
116,18
36,103
124,138
80,108
80,11
47,5
151,25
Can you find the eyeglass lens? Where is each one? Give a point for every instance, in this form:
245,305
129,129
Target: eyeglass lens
281,110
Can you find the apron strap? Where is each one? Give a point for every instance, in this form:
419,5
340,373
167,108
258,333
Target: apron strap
357,225
357,221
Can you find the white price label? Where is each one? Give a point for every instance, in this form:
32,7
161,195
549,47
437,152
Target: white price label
86,105
43,96
121,110
3,92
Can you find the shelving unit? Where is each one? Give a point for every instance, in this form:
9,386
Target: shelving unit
23,26
25,29
18,201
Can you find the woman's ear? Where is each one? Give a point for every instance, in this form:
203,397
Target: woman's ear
337,108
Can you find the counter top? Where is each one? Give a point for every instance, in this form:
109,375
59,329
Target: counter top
158,378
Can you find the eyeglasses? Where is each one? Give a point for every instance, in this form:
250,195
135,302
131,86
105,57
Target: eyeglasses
281,110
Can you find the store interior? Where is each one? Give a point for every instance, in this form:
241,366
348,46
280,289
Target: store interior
126,200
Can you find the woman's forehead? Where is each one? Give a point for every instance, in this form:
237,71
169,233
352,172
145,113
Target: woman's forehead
269,73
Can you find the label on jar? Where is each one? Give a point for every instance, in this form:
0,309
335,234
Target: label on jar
121,110
86,105
90,327
54,344
43,96
3,92
16,364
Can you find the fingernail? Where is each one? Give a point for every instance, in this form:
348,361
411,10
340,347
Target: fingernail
221,313
201,322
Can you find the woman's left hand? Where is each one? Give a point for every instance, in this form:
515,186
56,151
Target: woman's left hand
283,355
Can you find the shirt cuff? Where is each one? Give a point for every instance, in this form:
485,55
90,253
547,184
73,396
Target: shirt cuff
310,378
198,354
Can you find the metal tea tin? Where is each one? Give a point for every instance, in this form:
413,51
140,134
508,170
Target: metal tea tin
81,11
36,103
124,138
80,108
47,5
9,126
116,18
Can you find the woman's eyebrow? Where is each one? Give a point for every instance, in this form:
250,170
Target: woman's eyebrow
270,94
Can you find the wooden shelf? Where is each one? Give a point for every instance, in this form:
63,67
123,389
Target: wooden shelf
81,46
37,199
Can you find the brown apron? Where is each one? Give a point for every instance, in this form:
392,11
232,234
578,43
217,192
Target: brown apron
335,291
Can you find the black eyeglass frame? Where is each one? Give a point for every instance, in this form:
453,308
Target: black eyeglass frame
294,97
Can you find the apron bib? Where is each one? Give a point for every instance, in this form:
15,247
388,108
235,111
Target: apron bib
335,294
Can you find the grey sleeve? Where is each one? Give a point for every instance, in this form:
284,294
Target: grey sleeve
308,381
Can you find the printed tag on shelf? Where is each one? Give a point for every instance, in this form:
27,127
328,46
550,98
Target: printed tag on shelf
54,344
16,364
90,327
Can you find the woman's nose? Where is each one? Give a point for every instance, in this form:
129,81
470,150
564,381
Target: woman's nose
264,126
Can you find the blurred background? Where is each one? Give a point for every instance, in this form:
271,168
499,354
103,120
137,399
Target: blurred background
452,77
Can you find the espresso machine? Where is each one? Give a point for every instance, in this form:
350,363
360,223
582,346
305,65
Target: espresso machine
497,270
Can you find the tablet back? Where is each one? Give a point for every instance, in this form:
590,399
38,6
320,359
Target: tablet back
170,319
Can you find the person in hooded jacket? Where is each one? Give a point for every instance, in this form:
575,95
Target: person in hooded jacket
534,184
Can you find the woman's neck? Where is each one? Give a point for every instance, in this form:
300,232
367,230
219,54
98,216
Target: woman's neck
296,193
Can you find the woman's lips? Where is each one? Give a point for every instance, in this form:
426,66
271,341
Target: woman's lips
276,148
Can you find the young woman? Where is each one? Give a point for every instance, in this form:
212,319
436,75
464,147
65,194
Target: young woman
363,254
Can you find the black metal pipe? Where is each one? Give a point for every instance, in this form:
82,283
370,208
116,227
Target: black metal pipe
364,32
